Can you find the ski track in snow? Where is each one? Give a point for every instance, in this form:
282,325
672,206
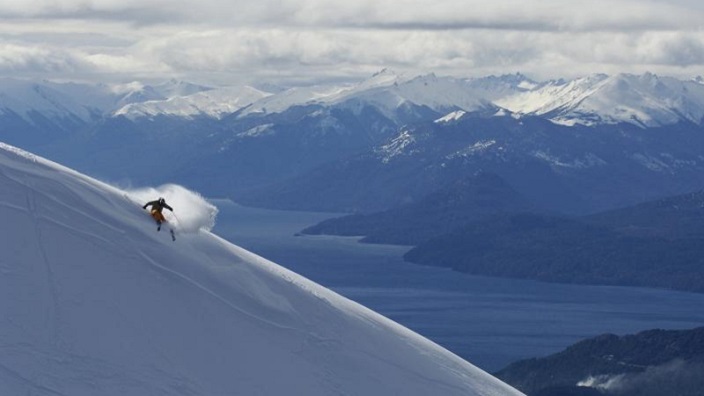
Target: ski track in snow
53,288
33,210
28,382
202,288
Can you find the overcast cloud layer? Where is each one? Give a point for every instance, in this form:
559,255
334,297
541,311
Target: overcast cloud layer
302,41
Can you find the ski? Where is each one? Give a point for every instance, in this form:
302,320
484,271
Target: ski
173,235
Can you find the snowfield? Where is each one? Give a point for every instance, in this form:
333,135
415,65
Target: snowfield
94,301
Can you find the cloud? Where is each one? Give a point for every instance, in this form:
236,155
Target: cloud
301,41
135,11
543,15
37,59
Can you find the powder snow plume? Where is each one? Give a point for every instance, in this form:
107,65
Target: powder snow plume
676,377
191,212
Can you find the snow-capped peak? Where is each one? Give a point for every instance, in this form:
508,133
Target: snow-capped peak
440,94
213,103
645,100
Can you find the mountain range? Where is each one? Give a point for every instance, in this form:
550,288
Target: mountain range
480,225
573,170
568,145
645,100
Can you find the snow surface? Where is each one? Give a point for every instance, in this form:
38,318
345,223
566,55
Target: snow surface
450,117
94,301
396,147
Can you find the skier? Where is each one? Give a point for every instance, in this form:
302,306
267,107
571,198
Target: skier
157,207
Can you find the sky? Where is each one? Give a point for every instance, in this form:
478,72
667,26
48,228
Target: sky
299,42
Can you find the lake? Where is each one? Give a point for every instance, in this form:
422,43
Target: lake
490,322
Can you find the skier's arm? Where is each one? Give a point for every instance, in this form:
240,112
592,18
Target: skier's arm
168,207
148,204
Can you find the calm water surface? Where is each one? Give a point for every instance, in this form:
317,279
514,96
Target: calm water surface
490,322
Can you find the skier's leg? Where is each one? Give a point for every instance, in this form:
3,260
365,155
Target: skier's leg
158,217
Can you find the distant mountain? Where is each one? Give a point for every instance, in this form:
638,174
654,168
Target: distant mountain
576,169
657,244
418,160
473,198
440,94
650,363
29,100
37,114
85,102
390,93
646,100
34,114
214,103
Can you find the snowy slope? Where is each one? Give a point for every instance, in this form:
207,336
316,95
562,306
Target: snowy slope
93,301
